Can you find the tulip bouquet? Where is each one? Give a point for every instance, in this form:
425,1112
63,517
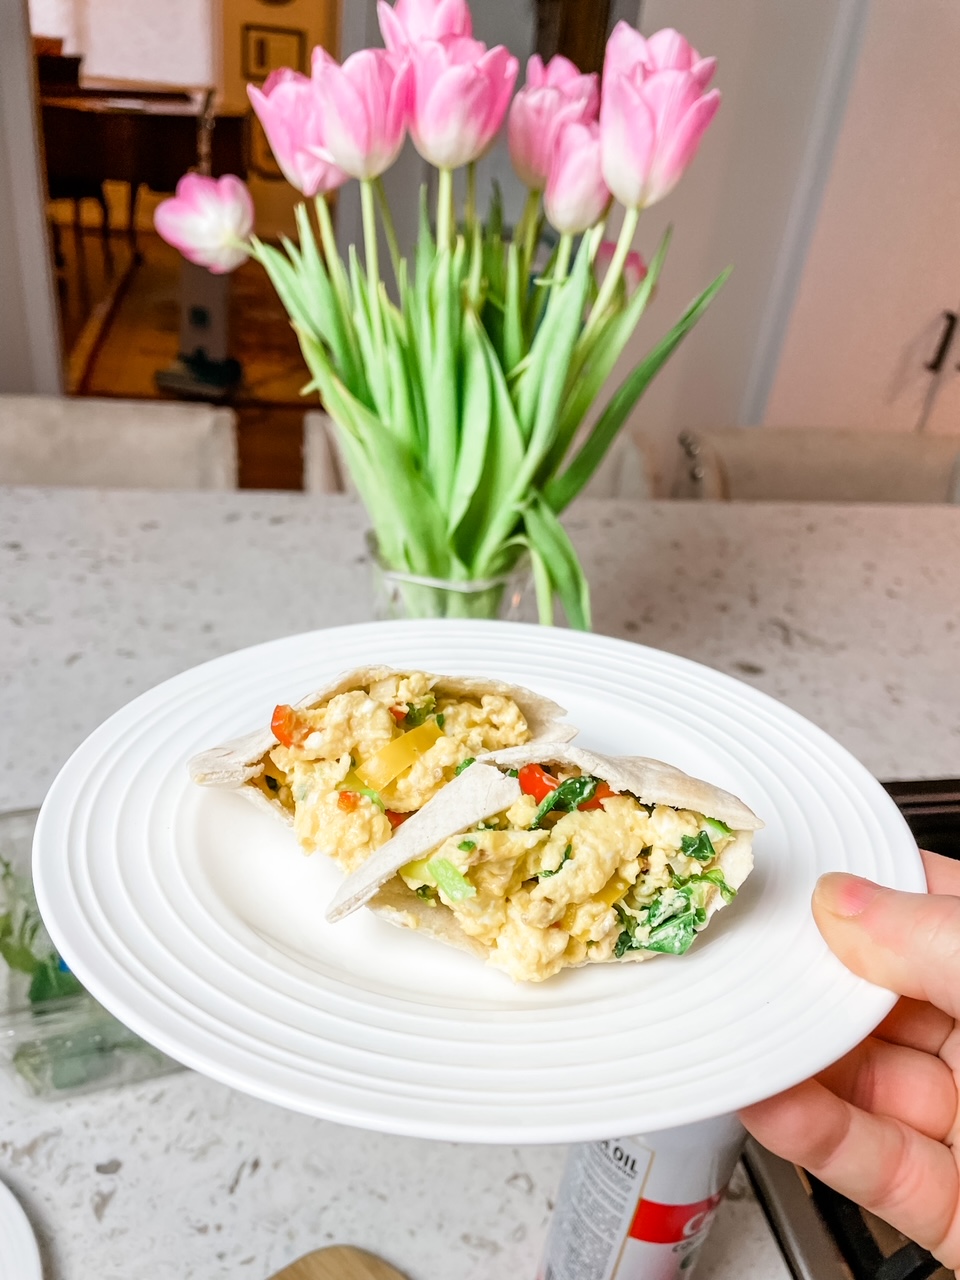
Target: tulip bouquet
460,383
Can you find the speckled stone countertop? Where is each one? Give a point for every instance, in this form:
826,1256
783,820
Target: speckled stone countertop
849,614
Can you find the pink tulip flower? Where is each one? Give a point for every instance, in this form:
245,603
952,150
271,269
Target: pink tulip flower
665,50
576,194
651,119
553,95
461,91
364,106
634,269
410,21
208,220
288,108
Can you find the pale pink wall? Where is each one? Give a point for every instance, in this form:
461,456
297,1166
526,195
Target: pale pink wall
884,261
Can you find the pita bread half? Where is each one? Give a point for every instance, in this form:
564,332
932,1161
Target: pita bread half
239,761
396,903
651,781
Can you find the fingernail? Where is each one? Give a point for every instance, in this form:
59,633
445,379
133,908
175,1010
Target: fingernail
845,895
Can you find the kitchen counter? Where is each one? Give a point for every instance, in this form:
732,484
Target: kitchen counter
849,614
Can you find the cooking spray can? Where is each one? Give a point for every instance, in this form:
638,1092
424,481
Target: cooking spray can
639,1208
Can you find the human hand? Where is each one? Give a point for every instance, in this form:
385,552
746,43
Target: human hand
882,1125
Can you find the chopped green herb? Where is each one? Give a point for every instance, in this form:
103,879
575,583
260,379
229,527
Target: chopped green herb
513,773
272,783
569,794
717,827
426,893
699,847
441,719
713,876
373,796
452,883
674,937
545,875
627,941
464,764
417,714
467,846
673,923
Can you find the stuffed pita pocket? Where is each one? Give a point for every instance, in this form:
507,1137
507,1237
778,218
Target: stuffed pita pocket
562,858
349,763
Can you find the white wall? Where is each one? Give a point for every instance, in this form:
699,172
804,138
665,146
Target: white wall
165,41
739,202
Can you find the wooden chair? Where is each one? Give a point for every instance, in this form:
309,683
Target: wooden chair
116,444
324,468
765,464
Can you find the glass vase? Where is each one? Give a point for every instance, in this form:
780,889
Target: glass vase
509,596
55,1040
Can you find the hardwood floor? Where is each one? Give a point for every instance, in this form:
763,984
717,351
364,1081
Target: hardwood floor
120,323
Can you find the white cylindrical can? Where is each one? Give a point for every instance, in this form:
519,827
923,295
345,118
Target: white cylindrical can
639,1208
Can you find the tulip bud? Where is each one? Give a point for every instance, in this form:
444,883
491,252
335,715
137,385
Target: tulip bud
412,20
364,106
208,220
288,108
665,50
553,95
652,116
461,91
576,194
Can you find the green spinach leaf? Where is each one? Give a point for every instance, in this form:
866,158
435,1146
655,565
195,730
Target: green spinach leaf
568,796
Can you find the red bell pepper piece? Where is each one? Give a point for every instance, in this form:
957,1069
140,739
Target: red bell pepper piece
286,727
535,781
603,792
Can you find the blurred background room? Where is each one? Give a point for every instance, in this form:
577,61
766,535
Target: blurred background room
830,184
780,506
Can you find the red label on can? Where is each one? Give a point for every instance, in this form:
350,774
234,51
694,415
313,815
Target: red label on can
671,1223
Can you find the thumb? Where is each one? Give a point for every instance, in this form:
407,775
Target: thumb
906,942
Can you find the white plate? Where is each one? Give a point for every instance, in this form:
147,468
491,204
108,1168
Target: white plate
19,1256
196,920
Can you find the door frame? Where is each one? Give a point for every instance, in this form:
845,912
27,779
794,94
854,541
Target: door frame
30,359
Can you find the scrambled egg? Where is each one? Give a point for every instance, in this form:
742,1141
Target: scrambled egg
586,886
316,776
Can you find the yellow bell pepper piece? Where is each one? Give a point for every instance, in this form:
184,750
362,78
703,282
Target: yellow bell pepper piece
390,761
419,871
612,891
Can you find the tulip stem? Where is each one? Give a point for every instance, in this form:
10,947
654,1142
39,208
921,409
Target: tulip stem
369,210
389,229
444,208
564,250
327,237
526,232
471,211
329,241
630,219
